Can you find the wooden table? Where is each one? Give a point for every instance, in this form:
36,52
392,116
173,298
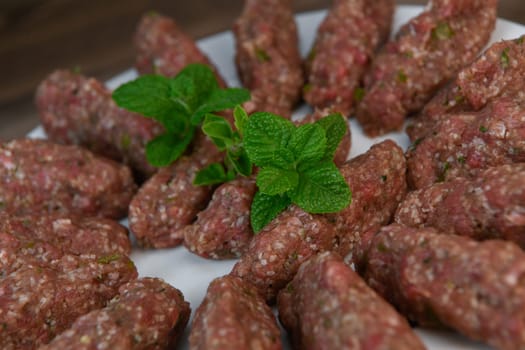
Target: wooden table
38,36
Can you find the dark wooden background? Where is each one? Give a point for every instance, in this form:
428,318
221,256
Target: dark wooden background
38,36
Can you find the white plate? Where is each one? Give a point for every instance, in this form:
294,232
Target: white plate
192,274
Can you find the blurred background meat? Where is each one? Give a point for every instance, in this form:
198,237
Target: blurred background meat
38,36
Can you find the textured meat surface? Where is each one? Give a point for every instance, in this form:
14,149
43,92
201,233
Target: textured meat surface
147,313
492,205
275,253
222,230
163,48
343,150
328,306
37,176
234,316
425,54
167,203
267,56
344,46
41,239
78,110
498,72
377,181
477,288
464,144
37,303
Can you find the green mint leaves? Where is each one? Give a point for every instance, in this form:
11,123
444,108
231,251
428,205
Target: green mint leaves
180,104
295,163
236,160
296,166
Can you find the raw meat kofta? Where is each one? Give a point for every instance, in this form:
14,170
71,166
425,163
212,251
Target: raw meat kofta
499,71
163,48
147,313
234,316
434,279
78,110
328,306
37,176
426,52
464,144
267,56
344,47
37,303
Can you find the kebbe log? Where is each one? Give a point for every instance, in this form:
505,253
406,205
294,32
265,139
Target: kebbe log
378,183
328,306
500,71
267,56
37,303
222,230
37,176
163,48
167,203
426,52
466,143
274,254
234,316
477,288
147,313
78,110
40,239
490,206
344,46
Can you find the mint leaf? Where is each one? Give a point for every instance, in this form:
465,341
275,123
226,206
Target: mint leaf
193,85
219,131
239,162
241,118
166,148
266,138
266,208
150,95
211,175
322,189
335,127
272,181
308,143
219,100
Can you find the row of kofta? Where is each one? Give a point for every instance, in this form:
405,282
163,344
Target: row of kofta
464,168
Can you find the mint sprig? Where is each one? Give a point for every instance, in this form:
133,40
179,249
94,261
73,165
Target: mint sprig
180,104
236,160
296,165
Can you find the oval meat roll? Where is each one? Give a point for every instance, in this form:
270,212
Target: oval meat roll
147,313
37,176
345,44
464,144
163,48
233,316
490,206
328,306
75,109
39,302
223,230
477,288
426,52
267,56
41,239
498,72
